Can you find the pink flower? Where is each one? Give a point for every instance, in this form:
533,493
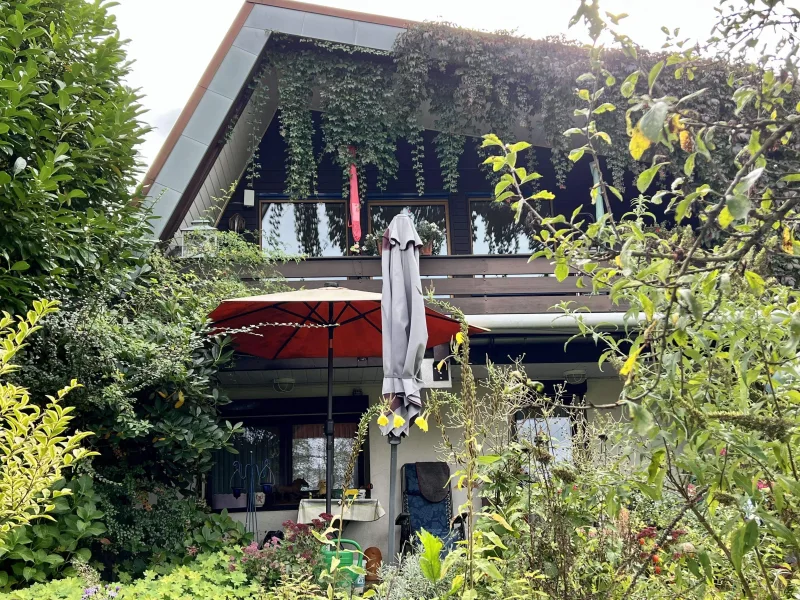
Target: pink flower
723,452
691,490
763,485
192,550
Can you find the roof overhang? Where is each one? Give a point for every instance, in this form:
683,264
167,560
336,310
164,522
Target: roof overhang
206,150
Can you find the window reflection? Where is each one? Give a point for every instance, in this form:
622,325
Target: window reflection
310,228
381,214
495,232
255,445
308,453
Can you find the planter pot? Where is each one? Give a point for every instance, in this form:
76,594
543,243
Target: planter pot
427,248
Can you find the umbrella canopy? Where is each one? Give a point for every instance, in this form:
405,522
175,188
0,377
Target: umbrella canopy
405,331
355,316
330,321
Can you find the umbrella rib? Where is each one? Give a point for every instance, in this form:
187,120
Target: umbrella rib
291,337
363,316
300,316
314,310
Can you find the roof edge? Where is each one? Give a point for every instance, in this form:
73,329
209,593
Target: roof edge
330,11
197,94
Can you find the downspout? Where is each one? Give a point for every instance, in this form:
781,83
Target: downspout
597,198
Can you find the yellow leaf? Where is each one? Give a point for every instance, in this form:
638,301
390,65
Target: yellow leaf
180,401
725,218
397,421
675,124
422,423
500,519
162,394
630,363
383,420
638,144
788,242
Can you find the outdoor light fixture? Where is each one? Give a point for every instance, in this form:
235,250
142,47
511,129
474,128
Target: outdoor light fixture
198,240
575,376
249,198
283,384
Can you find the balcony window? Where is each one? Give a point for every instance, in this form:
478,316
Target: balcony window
495,232
310,228
382,212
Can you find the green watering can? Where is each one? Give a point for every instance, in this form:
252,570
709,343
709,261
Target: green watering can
347,558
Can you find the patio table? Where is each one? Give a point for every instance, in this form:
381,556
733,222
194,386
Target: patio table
368,509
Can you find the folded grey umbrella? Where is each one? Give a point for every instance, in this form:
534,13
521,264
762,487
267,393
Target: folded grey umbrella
405,332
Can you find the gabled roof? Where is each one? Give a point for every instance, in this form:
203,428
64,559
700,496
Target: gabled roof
206,150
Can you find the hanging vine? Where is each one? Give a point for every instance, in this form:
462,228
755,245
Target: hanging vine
468,82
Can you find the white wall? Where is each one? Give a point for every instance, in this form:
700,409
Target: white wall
418,447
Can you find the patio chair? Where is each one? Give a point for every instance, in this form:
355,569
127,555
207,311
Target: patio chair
428,504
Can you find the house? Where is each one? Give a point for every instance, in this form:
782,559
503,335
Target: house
265,118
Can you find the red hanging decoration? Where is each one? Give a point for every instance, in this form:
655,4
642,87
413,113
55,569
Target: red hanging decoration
355,204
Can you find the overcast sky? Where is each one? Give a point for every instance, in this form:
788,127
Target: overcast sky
172,41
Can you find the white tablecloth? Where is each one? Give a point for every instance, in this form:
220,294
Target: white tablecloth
359,510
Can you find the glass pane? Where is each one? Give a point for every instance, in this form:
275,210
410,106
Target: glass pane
495,232
382,215
310,228
257,446
557,429
308,454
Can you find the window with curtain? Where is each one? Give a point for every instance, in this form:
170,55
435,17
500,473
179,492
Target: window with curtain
284,449
308,453
495,232
255,446
305,227
381,214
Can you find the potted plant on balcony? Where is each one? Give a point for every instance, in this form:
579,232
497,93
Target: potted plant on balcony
431,235
370,246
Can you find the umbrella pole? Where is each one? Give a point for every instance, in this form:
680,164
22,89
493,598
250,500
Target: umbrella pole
329,422
394,442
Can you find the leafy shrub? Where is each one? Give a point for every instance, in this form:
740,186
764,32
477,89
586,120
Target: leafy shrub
152,526
35,445
42,551
67,160
297,555
209,577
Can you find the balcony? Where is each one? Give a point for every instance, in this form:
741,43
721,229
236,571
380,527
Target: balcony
477,285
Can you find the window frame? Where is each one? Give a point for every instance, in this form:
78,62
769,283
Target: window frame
577,418
417,202
344,202
354,406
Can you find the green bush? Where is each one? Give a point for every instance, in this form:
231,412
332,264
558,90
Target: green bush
41,551
209,577
69,128
152,526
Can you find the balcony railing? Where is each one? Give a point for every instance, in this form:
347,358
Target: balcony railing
477,285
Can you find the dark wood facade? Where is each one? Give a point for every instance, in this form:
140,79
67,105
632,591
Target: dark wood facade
486,284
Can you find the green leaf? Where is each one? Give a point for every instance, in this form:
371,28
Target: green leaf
543,195
501,185
653,75
641,418
688,166
725,218
519,146
430,561
790,177
603,108
747,182
7,84
738,206
755,281
576,154
561,271
646,177
629,85
20,265
653,121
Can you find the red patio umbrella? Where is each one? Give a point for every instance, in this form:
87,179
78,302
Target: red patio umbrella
330,321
